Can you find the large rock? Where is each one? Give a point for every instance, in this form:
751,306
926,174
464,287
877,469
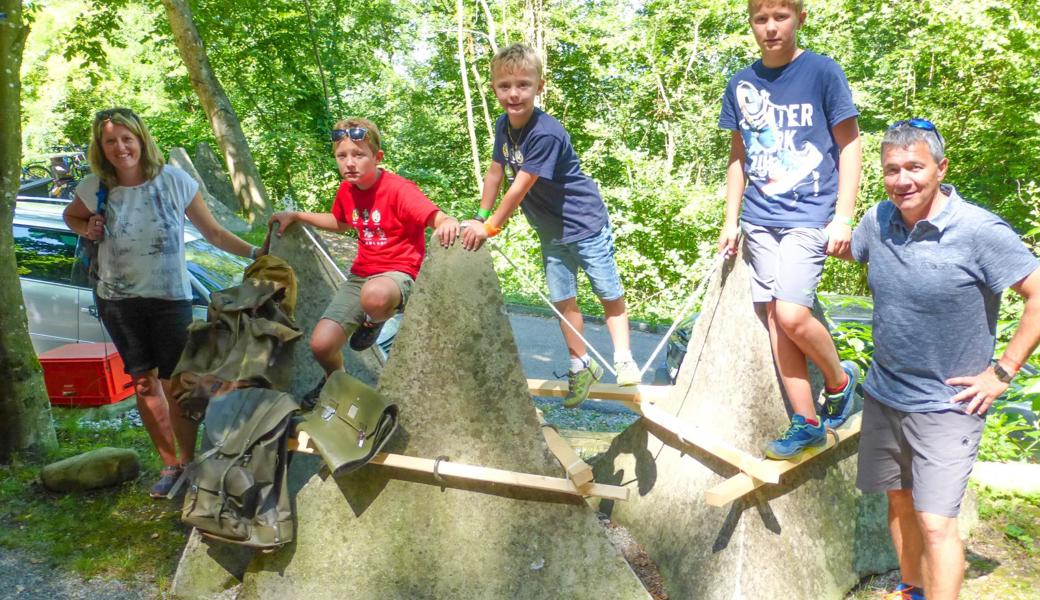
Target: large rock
319,277
91,470
803,538
224,215
455,374
217,181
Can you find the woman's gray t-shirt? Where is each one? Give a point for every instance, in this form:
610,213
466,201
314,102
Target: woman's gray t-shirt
142,255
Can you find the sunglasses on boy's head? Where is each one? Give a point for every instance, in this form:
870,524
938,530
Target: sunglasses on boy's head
923,124
355,133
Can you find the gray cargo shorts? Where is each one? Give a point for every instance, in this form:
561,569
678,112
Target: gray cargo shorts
930,452
786,262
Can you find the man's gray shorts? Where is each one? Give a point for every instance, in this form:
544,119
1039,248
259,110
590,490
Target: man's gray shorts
786,262
930,452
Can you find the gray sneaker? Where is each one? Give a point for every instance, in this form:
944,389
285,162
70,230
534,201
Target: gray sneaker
627,373
578,384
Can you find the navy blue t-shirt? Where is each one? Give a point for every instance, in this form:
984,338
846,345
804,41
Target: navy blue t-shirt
563,205
785,116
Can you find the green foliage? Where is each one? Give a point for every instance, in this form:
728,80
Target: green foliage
638,87
1017,515
1008,438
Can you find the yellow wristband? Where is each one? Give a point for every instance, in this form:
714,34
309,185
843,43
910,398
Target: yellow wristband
491,230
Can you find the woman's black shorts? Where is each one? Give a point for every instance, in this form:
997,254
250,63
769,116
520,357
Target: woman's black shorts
148,333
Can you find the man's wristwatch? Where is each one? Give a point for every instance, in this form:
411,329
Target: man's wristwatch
1002,374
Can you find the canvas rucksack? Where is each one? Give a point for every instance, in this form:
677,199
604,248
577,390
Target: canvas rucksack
238,489
246,341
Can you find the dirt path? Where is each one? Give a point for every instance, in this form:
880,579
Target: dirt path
25,578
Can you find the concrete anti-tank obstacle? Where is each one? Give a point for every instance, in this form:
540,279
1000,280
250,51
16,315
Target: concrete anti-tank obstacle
811,535
455,374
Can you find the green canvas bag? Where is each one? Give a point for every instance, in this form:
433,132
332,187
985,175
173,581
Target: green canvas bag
238,489
351,423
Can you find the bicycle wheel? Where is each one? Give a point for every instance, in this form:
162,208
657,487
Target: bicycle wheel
35,171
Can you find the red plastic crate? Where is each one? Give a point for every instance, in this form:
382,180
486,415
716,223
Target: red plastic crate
85,375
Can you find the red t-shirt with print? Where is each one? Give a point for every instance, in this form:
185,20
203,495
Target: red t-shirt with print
390,218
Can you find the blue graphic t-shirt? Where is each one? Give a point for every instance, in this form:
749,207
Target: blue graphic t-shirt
785,116
563,205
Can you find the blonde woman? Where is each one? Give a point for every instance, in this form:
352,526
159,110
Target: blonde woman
143,291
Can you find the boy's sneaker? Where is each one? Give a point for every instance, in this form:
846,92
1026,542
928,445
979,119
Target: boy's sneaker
365,335
627,372
578,384
168,476
799,436
905,591
310,399
837,407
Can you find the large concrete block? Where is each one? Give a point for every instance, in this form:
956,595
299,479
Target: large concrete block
217,181
224,215
319,277
798,539
455,374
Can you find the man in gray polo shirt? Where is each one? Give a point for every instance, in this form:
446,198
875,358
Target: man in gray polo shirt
938,267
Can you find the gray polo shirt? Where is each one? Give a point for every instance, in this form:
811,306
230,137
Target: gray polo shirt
936,295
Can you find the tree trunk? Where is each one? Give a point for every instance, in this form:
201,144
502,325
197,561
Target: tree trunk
25,412
222,118
464,74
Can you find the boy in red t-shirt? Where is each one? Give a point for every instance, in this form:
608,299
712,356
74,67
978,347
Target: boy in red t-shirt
391,215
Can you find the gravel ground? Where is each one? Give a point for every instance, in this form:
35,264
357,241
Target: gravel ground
25,578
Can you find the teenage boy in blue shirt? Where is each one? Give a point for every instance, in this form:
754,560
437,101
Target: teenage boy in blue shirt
562,204
795,161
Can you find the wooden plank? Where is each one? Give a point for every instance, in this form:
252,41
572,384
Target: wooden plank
578,471
482,474
630,396
742,484
698,438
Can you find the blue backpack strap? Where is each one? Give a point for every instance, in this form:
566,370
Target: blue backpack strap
102,198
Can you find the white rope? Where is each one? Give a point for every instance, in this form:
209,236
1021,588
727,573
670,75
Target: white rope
682,312
563,319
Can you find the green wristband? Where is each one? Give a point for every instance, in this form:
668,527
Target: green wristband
845,220
484,213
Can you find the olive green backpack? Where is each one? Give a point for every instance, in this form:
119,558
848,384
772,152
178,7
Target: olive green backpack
238,489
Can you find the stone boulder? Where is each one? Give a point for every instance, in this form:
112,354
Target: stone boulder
227,217
210,168
811,536
98,468
455,374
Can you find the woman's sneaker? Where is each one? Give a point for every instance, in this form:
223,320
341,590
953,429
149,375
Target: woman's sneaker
799,436
837,407
168,476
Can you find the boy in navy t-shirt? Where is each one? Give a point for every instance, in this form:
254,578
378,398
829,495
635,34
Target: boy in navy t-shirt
534,152
795,160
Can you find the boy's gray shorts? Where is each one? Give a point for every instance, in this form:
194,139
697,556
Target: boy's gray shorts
931,452
786,262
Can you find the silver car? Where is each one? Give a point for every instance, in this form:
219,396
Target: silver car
58,302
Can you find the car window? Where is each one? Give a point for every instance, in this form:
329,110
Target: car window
45,254
214,268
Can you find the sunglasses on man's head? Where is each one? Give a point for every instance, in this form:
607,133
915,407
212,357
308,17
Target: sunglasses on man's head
923,124
355,133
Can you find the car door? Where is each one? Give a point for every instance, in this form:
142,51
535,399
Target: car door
45,260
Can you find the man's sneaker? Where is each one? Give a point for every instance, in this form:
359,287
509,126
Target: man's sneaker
578,384
838,406
627,372
799,436
365,335
905,591
168,476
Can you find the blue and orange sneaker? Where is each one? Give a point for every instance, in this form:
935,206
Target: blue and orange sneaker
905,591
799,436
837,407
